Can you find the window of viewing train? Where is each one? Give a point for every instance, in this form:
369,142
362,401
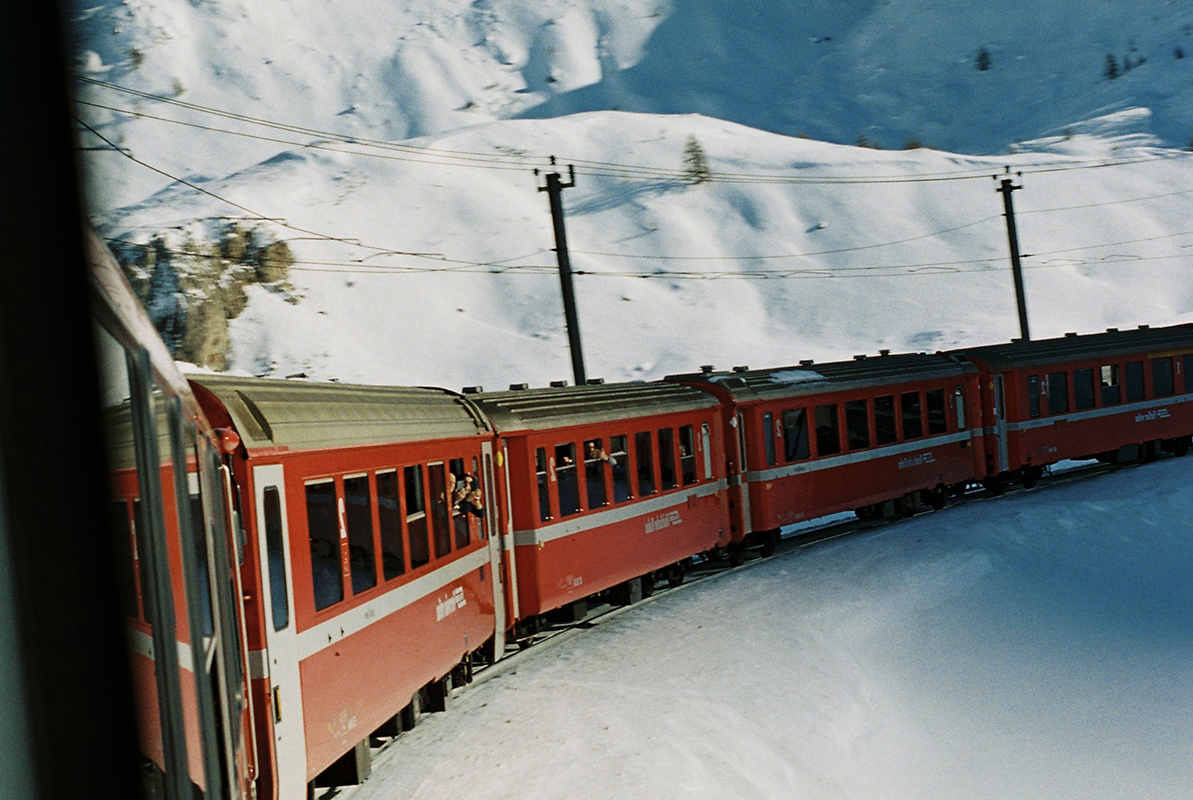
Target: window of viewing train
1033,395
358,517
477,500
768,438
1133,378
323,532
1058,392
1185,367
885,430
460,487
389,519
644,455
913,426
667,459
828,430
441,533
857,424
1083,388
959,405
1162,383
202,560
687,453
1110,386
416,516
706,448
621,469
937,419
122,529
141,555
566,479
275,554
595,459
540,471
795,434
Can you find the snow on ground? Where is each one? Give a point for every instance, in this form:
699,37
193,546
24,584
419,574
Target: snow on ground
1038,645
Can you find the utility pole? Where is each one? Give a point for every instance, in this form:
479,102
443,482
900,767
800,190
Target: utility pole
1005,188
554,188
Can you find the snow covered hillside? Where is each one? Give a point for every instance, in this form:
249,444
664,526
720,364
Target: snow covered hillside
1035,645
391,147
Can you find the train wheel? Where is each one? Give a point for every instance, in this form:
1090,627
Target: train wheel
648,584
937,498
1031,475
675,575
1180,446
736,554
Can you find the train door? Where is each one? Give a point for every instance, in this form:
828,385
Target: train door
507,531
1000,422
743,475
496,546
277,588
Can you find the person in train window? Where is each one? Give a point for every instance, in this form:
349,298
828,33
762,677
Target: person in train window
592,451
472,501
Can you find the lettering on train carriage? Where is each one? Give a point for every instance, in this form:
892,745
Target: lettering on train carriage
917,460
1148,416
450,604
664,520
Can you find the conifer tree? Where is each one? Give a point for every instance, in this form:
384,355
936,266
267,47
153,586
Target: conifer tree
695,162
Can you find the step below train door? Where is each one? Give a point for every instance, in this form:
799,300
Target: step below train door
493,531
281,656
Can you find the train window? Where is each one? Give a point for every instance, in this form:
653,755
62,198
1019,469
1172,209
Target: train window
393,560
276,555
959,405
459,486
913,424
358,517
1083,388
416,517
1110,385
644,452
621,469
1033,395
795,434
1162,384
687,453
474,502
1186,367
857,424
768,437
667,459
140,539
441,533
706,448
540,471
937,420
203,578
123,531
1058,392
828,430
1133,377
324,534
884,419
595,459
566,479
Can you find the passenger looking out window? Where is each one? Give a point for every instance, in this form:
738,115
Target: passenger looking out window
1110,390
595,459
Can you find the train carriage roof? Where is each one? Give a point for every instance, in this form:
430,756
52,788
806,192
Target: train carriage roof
567,406
1072,347
812,379
302,415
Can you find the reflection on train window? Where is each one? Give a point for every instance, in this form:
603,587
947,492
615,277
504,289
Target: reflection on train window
666,459
358,516
440,514
540,470
885,431
857,424
595,458
1133,377
768,438
687,453
416,516
122,530
566,479
644,452
1083,388
959,405
276,556
1058,392
795,434
937,421
1110,390
828,431
621,469
393,561
325,544
1162,384
913,426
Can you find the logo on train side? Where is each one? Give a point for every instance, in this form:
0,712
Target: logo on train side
1148,416
450,604
341,725
664,520
917,460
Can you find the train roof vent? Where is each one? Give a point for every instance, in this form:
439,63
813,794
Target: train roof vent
473,389
1144,327
517,387
706,368
885,352
742,368
595,381
558,384
860,357
1071,333
807,362
1112,330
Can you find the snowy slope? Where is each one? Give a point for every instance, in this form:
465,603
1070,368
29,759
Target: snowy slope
1036,645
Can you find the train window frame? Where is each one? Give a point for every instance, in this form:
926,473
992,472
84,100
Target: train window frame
389,525
911,413
121,525
1110,384
886,420
1186,370
1033,396
275,555
333,590
567,475
543,479
417,520
460,522
1167,386
828,434
644,446
959,406
1084,399
595,490
668,476
935,410
706,448
619,455
1133,381
857,423
1058,392
768,437
358,526
799,448
687,463
440,509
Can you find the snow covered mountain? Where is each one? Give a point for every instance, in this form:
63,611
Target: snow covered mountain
391,145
